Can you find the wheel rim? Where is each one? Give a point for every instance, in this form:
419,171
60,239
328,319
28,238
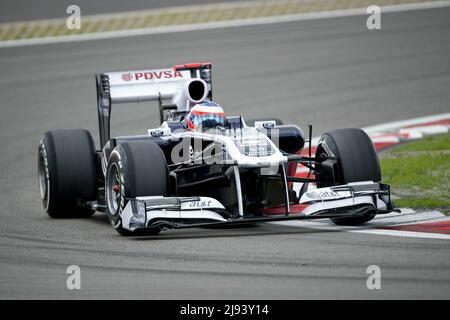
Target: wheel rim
113,189
42,177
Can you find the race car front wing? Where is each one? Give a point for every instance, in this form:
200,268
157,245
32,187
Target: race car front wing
351,200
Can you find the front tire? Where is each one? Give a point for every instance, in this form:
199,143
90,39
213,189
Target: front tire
135,168
67,172
357,160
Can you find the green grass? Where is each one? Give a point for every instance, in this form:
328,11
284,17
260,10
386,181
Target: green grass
421,203
419,172
437,143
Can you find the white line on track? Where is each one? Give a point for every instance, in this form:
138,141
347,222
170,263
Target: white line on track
406,123
221,24
408,234
406,217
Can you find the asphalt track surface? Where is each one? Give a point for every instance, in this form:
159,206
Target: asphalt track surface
24,10
333,72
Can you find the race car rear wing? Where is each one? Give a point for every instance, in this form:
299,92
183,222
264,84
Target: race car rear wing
144,85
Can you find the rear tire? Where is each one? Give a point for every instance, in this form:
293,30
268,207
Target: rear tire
136,168
357,160
67,172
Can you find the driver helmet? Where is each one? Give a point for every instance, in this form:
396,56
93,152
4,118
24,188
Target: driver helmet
204,116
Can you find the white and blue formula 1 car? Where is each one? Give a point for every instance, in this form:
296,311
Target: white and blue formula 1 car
173,177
